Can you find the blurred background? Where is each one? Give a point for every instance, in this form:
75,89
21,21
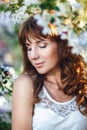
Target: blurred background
10,53
10,61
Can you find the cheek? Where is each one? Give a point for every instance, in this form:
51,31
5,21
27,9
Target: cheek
52,54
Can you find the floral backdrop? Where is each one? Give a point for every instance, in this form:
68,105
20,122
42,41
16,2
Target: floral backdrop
65,17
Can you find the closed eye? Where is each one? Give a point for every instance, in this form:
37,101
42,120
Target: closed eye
43,46
28,49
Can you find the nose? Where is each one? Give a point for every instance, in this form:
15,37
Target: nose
34,54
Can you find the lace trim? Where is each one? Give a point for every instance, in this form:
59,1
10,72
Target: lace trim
61,109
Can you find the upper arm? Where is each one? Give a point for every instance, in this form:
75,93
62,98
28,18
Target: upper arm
22,104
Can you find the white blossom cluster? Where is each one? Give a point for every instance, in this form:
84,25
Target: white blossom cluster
27,2
64,27
7,76
77,41
20,15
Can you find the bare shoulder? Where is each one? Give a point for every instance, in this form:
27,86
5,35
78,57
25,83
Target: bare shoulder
23,86
23,79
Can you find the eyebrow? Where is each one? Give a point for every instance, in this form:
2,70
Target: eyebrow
38,41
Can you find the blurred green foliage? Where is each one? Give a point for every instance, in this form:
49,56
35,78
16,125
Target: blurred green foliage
11,41
5,126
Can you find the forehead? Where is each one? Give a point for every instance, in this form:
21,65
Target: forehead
36,40
34,35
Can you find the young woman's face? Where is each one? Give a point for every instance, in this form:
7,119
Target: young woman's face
43,55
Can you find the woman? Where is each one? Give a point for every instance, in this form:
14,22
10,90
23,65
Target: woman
51,92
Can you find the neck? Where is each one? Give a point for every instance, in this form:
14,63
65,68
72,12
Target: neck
54,78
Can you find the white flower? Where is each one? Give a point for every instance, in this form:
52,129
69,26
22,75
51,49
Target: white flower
74,4
34,1
84,55
43,20
73,38
64,9
83,39
20,15
63,31
63,36
13,73
26,2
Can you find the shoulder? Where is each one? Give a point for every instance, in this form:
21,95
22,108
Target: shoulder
23,85
24,78
24,81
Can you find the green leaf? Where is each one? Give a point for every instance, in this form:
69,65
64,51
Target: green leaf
32,7
2,7
12,7
48,4
20,2
52,20
63,0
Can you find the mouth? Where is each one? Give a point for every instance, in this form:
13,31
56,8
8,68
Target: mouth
39,65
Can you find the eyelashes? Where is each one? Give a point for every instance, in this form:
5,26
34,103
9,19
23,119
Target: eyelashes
28,49
40,46
44,46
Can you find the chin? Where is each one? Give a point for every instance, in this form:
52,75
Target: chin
41,71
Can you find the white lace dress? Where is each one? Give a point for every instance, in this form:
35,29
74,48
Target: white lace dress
52,115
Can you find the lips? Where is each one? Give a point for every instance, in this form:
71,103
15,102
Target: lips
39,65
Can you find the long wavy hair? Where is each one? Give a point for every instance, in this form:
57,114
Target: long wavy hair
72,65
